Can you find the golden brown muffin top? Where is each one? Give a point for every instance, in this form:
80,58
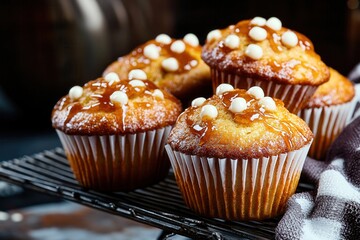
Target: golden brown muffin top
174,65
109,105
337,90
238,124
261,48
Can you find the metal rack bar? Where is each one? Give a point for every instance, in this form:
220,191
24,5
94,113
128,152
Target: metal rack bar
160,205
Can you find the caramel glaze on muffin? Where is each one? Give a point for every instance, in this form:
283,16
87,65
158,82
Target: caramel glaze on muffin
337,90
283,57
112,106
261,127
174,65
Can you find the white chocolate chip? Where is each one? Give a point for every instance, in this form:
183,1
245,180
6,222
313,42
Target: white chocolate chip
268,103
151,51
119,97
137,74
163,38
256,92
209,111
238,105
158,94
274,23
258,33
232,41
289,39
213,35
254,51
75,92
112,77
170,64
178,46
193,63
191,39
137,83
259,21
224,87
198,101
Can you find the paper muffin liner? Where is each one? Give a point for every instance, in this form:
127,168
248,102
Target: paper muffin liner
326,123
238,189
293,96
356,110
117,162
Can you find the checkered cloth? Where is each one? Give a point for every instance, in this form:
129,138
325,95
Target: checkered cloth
332,210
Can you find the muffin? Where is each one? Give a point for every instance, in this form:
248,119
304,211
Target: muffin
173,65
261,52
113,132
238,155
328,112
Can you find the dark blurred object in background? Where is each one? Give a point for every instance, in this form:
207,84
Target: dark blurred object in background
47,46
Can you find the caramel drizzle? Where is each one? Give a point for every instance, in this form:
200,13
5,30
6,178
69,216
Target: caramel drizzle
99,99
204,132
256,113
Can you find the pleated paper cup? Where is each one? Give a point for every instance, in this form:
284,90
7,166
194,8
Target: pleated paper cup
293,96
117,162
326,123
237,189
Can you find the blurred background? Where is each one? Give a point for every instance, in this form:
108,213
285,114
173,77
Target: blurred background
48,46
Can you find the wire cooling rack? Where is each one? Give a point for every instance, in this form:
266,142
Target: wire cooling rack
160,205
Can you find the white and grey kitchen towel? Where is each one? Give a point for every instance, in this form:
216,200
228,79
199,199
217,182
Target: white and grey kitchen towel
332,210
